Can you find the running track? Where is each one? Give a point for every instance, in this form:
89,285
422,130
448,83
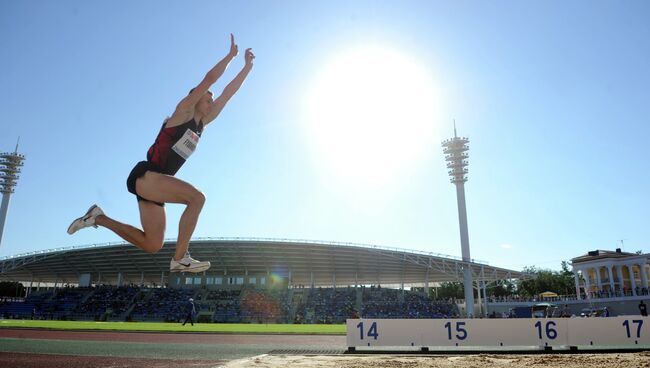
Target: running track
80,349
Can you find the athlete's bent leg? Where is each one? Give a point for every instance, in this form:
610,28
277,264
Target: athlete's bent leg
168,189
152,217
187,224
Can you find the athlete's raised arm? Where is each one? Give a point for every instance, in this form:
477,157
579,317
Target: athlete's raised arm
185,109
231,88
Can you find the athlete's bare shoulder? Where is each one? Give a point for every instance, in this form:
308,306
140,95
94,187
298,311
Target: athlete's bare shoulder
180,116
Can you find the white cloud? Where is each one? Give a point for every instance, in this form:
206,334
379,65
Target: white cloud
505,246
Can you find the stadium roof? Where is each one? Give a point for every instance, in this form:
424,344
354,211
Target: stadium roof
301,261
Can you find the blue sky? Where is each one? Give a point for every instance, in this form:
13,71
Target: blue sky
552,94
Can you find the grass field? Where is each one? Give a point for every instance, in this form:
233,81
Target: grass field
177,327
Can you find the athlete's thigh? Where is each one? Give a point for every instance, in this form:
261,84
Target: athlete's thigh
153,219
163,188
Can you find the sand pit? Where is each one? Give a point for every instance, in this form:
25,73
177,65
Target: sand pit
613,360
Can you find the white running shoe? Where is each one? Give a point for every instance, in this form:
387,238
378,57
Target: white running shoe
188,264
86,220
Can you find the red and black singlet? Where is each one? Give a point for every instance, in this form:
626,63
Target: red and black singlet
173,146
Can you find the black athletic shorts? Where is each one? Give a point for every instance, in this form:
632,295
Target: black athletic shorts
138,171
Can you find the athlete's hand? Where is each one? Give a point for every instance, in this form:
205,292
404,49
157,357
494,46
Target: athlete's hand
234,50
249,56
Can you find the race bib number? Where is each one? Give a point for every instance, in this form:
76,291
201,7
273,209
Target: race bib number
187,144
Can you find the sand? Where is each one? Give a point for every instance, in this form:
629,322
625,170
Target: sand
613,360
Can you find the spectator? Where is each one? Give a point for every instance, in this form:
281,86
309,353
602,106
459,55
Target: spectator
643,309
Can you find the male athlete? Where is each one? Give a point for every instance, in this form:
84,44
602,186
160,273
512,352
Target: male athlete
153,181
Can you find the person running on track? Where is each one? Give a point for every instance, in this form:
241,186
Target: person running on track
153,182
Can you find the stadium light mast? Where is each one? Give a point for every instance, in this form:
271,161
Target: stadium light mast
10,164
455,150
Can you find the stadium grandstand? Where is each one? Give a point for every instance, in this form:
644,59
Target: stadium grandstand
251,280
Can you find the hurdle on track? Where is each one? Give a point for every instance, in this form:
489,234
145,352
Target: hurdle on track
623,332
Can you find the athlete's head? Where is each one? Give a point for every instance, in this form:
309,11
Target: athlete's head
203,105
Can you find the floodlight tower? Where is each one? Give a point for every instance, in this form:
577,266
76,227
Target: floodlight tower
455,150
10,164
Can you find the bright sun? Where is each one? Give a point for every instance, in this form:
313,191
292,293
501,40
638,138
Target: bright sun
370,114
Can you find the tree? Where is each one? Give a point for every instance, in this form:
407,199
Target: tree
559,282
501,288
567,279
451,290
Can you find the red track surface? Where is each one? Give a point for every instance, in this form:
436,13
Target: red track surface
25,360
32,360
